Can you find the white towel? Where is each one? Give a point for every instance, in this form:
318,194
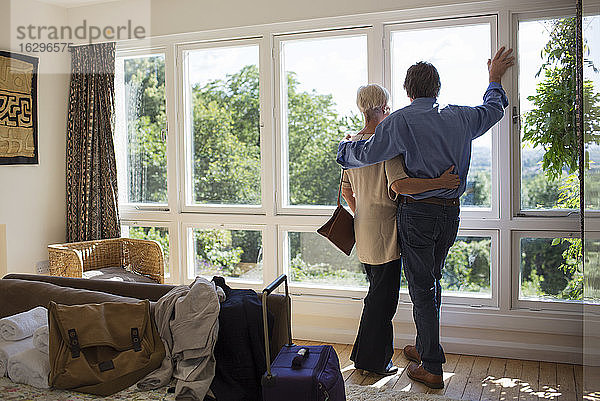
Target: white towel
40,339
10,348
21,325
30,367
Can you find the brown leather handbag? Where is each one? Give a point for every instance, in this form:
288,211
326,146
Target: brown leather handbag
339,229
102,348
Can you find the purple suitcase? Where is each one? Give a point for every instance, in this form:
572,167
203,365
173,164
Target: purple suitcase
300,373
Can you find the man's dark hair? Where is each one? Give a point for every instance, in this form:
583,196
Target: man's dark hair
422,80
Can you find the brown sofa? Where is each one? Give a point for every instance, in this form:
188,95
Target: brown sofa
22,292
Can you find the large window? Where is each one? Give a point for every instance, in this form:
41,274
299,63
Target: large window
319,77
141,129
255,117
458,51
223,124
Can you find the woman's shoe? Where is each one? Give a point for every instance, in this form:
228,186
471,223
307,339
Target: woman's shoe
390,369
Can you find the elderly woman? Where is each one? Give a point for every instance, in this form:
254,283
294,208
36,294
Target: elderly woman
369,193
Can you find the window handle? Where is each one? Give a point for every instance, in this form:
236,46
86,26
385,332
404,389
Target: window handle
515,115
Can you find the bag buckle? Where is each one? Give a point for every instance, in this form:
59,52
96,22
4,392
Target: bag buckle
135,339
74,343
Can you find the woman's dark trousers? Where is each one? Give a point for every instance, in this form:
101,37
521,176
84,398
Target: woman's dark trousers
374,345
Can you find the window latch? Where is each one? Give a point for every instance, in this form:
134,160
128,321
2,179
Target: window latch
515,115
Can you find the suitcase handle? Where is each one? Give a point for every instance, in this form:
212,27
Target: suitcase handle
265,293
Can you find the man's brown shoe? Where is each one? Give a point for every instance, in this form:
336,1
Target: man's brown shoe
411,353
419,374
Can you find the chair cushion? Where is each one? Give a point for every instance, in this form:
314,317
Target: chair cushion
116,274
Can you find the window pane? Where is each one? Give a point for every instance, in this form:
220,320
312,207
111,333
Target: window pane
228,253
467,270
463,83
158,234
225,125
312,259
141,122
320,78
468,267
546,96
551,269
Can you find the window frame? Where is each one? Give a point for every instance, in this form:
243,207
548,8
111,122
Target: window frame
185,148
493,212
119,114
280,115
515,124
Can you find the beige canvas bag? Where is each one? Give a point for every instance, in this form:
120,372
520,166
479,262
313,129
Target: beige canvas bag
102,348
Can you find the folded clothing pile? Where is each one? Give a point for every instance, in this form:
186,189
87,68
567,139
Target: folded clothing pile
24,347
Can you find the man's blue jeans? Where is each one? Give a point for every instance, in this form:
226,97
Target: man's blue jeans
426,232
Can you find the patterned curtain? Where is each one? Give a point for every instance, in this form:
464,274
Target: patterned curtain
92,210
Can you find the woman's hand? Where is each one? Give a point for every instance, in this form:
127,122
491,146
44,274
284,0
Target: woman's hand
448,179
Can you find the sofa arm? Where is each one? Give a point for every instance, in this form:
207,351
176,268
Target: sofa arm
65,262
145,257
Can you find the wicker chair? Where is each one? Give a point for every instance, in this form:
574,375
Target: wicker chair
140,256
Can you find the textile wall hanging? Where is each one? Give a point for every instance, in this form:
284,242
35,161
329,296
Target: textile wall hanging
18,109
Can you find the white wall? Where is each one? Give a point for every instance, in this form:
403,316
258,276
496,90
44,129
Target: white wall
32,197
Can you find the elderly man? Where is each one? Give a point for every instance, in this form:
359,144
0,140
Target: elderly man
430,139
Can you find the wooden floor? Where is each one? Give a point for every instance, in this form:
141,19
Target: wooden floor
480,378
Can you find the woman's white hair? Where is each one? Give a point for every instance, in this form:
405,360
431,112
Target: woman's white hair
372,96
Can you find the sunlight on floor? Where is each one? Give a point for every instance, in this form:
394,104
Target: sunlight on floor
348,367
448,375
546,392
595,396
385,379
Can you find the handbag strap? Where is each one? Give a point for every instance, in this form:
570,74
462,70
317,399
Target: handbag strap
340,189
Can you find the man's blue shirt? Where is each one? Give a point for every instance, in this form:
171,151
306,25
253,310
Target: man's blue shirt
430,139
